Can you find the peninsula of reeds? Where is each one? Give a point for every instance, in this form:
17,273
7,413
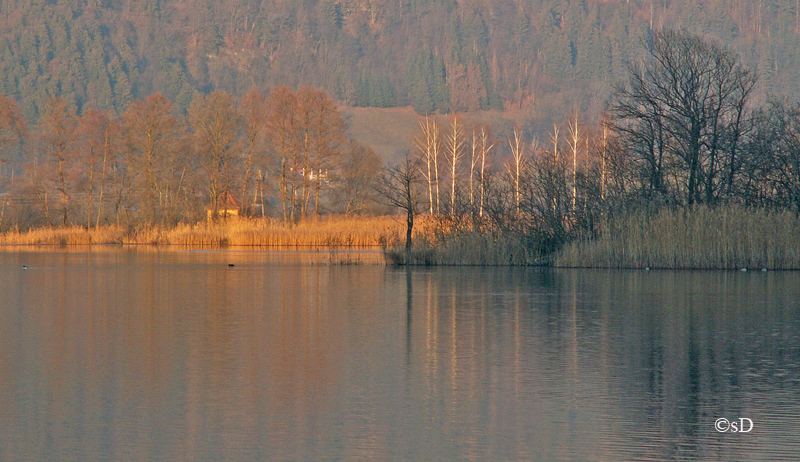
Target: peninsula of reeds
467,249
465,241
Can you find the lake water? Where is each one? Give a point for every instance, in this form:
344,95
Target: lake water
144,354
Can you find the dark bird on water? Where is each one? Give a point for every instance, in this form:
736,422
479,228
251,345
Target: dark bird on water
231,264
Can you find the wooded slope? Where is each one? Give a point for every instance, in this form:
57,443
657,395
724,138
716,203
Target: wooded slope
436,55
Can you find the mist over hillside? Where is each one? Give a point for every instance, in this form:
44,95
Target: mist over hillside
545,58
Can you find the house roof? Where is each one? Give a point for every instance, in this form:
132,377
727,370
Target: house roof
228,202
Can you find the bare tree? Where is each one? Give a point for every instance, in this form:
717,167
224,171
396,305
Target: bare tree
153,134
474,159
399,187
281,134
454,152
57,136
573,141
99,134
215,127
771,169
428,144
603,159
253,110
121,177
687,100
304,119
545,198
38,184
486,146
328,135
307,132
516,166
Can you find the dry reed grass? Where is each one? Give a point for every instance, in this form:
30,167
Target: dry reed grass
65,236
731,237
442,243
473,249
328,232
437,241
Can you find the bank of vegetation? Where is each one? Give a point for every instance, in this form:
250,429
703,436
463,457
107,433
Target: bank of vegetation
682,145
684,172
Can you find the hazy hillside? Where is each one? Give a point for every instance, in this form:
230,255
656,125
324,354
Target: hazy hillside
547,56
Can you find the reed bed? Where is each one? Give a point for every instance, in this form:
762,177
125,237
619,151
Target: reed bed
731,237
65,236
328,232
464,247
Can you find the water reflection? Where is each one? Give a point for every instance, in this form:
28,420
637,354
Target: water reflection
142,355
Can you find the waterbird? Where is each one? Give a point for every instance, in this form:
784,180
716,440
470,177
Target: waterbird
743,270
231,264
764,269
24,267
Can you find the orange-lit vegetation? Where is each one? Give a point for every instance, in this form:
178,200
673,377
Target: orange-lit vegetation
469,196
74,235
287,154
326,232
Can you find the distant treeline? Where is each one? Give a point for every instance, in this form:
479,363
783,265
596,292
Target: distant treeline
286,155
437,55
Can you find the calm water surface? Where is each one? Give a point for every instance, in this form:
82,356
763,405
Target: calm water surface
128,355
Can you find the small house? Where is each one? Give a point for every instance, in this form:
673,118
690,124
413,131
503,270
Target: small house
227,206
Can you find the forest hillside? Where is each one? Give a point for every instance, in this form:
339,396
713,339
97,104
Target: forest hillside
545,58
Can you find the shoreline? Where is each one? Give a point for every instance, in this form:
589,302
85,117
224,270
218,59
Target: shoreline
729,238
388,256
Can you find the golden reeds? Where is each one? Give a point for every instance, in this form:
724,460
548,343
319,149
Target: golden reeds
731,237
65,236
328,232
